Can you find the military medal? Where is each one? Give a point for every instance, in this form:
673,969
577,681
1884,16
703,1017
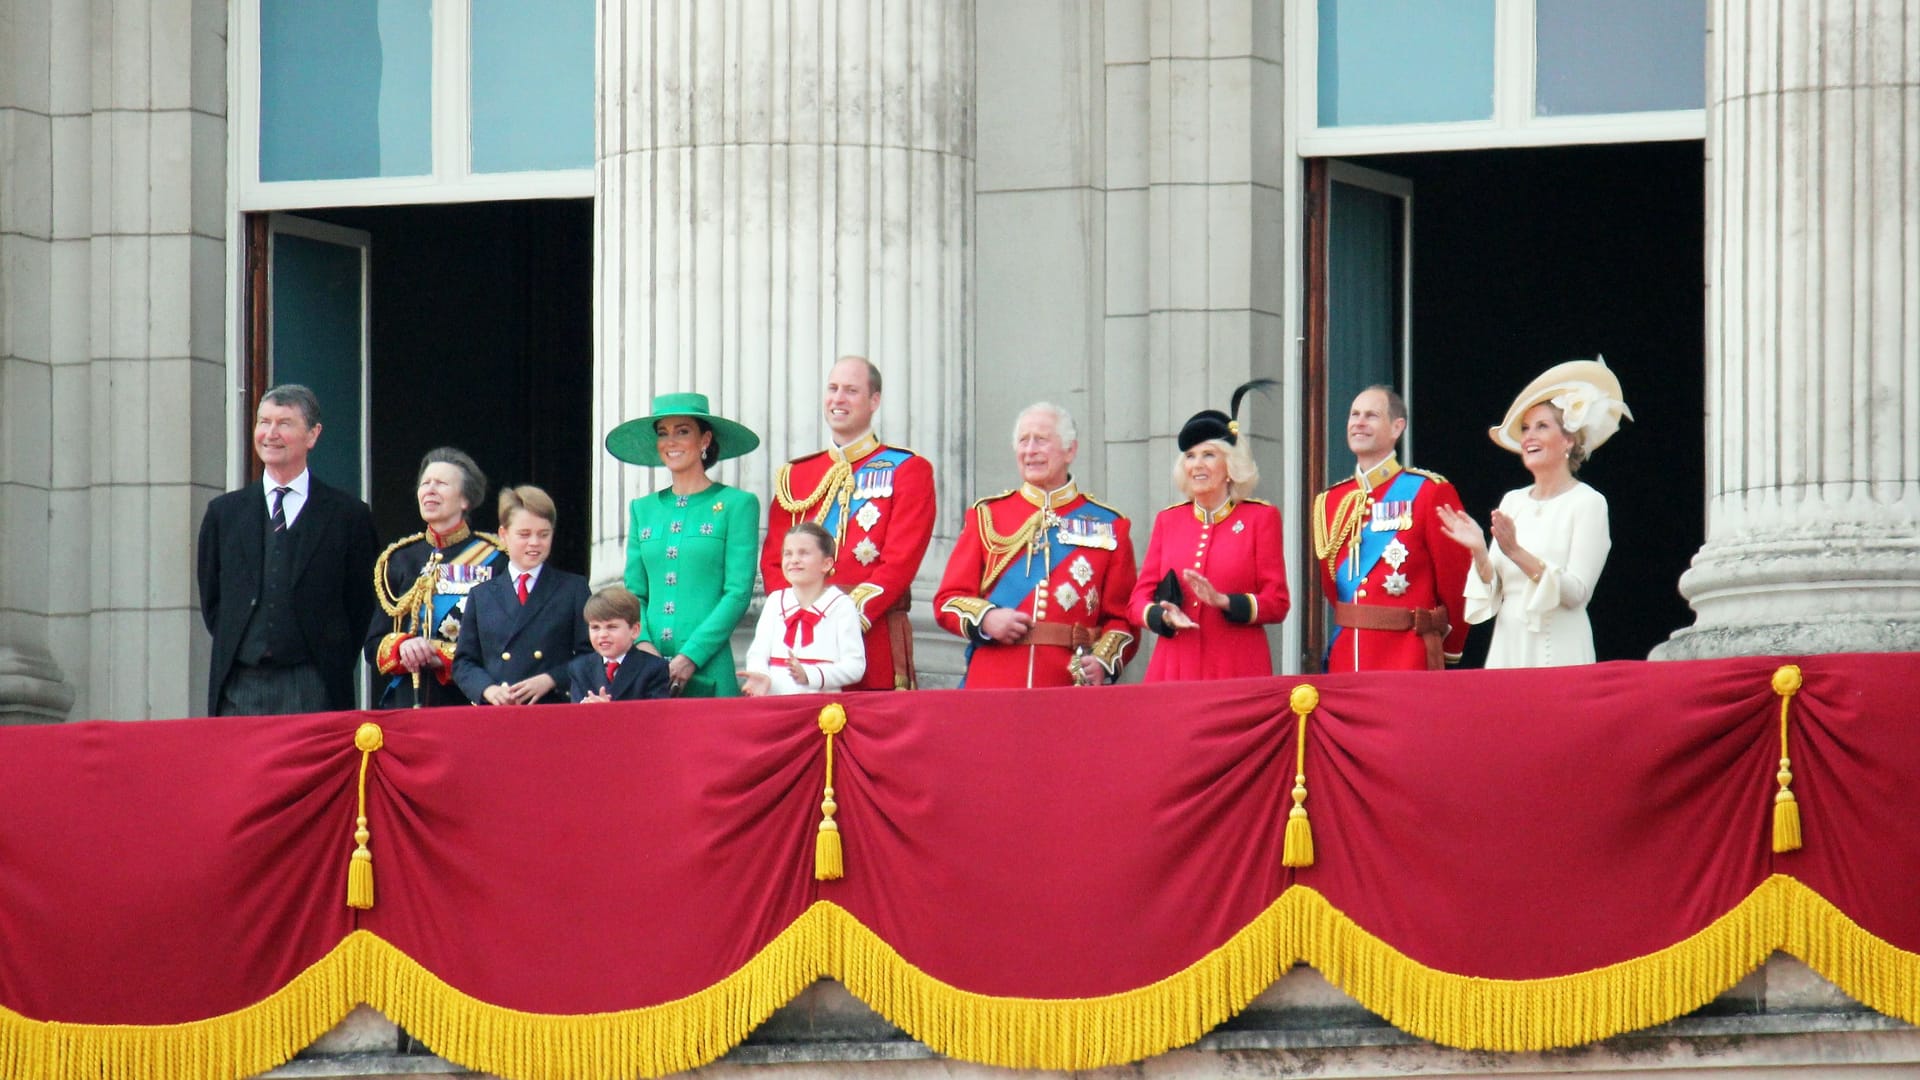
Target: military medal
868,514
1066,595
1396,584
874,482
1395,554
1081,532
1239,526
1081,570
1093,601
866,551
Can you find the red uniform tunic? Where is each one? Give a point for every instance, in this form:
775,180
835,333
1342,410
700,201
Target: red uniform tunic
877,500
1240,551
1416,565
1063,559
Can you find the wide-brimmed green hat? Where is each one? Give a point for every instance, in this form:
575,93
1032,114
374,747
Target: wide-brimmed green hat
633,441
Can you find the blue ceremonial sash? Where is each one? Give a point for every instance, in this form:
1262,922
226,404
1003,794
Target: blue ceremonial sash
1024,574
882,461
1346,580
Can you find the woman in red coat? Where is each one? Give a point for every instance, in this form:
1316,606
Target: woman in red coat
1215,573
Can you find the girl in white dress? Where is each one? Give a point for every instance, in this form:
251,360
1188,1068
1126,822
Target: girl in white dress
808,639
1551,538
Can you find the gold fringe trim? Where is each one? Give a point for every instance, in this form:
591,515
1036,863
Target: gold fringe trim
241,1043
1071,1033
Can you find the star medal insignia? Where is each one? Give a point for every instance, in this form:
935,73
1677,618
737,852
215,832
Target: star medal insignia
1093,601
1239,526
1396,584
866,551
1081,569
1066,595
868,514
450,628
1395,554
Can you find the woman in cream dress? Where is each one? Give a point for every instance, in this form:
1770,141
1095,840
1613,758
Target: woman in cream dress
1551,538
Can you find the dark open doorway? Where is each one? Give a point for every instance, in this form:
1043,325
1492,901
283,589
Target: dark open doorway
1523,258
482,338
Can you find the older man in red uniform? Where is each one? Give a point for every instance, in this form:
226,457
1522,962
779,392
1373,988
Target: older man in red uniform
1039,580
1395,580
877,501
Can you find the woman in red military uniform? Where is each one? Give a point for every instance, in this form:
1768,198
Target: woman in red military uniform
1215,573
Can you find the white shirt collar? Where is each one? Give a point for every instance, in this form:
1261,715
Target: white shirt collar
298,486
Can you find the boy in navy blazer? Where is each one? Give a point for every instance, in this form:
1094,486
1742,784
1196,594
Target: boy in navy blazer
618,670
523,627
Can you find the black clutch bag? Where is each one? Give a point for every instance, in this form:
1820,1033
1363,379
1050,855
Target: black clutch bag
1169,590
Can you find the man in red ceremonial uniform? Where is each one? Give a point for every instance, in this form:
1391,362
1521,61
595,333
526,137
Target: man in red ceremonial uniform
1039,580
1395,580
877,501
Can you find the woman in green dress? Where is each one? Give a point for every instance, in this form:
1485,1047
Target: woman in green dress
693,546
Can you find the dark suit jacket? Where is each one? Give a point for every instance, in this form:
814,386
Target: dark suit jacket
334,545
642,675
504,641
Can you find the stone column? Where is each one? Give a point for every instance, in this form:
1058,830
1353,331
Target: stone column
112,401
781,182
33,687
1813,331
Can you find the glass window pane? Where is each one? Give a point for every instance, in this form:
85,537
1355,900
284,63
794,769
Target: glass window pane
1619,57
532,85
345,89
1405,61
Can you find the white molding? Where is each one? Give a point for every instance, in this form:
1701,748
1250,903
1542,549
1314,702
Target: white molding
450,180
1554,131
1514,124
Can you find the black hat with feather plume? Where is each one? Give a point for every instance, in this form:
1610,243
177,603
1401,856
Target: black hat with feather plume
1214,424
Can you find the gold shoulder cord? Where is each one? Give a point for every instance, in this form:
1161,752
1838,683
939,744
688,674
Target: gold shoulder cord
390,602
839,473
1346,522
1002,550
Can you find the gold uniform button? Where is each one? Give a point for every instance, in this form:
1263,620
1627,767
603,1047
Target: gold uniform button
536,654
506,656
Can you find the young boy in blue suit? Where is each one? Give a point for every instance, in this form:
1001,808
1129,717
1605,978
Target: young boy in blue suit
618,670
523,627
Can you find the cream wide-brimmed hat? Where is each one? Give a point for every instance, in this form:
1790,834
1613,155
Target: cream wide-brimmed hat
1586,392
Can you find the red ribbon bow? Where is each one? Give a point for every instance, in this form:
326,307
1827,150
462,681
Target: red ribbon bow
800,624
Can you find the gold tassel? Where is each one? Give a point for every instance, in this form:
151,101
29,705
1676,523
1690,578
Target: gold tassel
360,871
1298,850
1786,811
828,864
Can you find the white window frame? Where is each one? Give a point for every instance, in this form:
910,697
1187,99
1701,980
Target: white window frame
1514,122
452,178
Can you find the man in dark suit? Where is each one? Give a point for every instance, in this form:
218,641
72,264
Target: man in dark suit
284,572
524,626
